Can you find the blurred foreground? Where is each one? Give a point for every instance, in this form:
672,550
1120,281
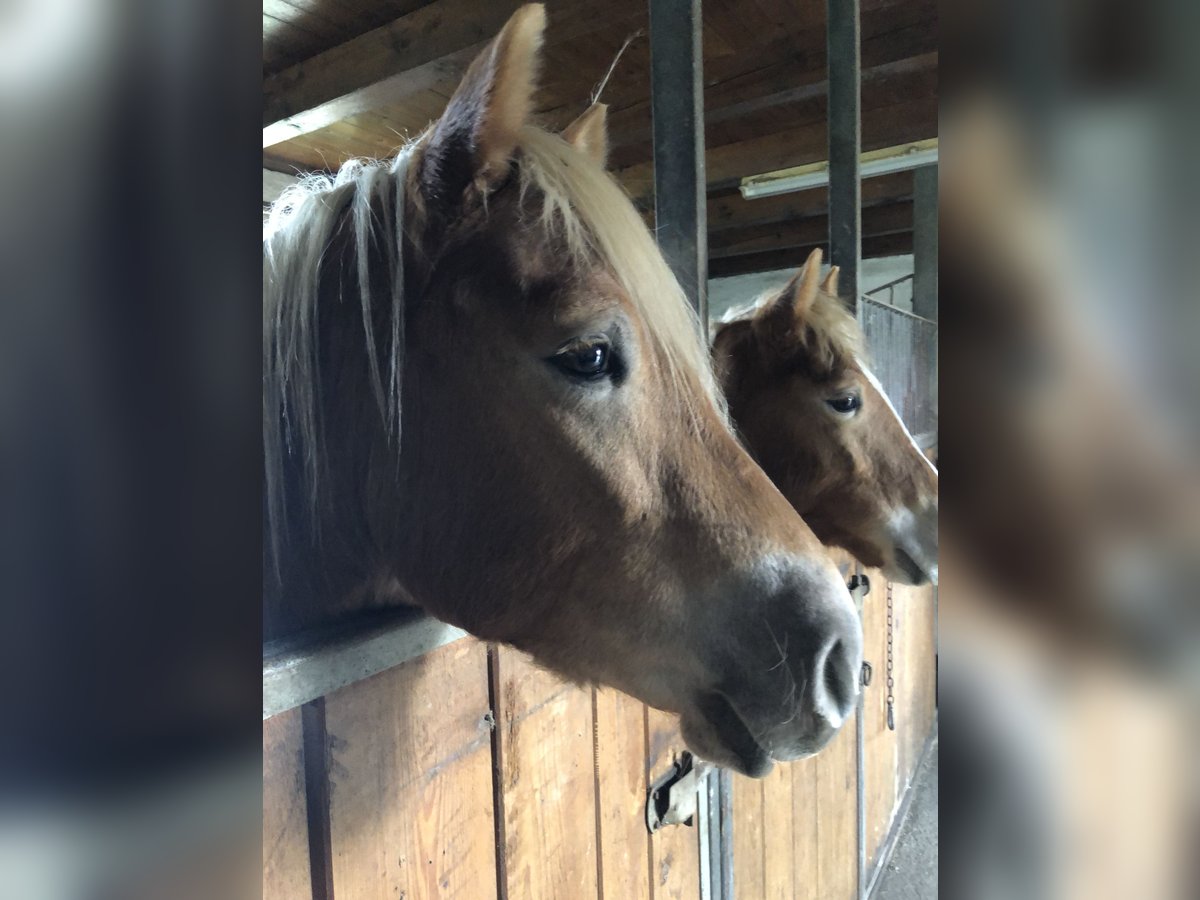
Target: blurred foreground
1070,428
129,450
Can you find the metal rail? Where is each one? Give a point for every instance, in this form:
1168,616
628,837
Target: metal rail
297,670
677,105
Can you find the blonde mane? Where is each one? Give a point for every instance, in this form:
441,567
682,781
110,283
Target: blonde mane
830,337
589,208
580,201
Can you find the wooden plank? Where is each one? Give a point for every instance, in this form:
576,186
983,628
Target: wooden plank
726,165
879,220
791,61
286,874
749,875
405,55
620,757
411,780
426,49
675,850
779,842
544,761
879,769
728,210
837,819
773,260
805,829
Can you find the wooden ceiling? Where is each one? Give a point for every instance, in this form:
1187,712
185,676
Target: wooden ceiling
346,78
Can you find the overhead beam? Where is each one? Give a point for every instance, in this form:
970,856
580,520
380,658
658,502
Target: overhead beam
790,258
677,104
728,210
901,123
428,46
890,219
782,85
275,183
891,32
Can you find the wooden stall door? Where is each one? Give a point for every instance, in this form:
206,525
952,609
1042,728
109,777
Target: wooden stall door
891,757
410,780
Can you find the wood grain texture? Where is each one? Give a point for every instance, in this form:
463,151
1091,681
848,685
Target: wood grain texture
286,873
879,766
621,796
837,817
411,780
805,829
778,830
675,850
547,780
748,863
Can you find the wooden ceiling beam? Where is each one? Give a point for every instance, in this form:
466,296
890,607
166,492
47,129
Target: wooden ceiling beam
792,257
880,220
726,165
728,210
383,65
427,49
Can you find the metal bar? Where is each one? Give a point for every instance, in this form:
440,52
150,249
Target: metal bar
704,816
867,298
843,43
845,143
677,104
925,242
713,786
860,749
295,672
725,787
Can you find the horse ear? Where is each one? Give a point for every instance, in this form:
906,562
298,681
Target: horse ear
830,285
589,133
781,319
474,141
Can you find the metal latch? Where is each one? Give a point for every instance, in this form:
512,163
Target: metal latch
672,798
867,672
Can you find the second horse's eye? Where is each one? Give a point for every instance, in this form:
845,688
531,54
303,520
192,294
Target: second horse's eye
845,404
592,360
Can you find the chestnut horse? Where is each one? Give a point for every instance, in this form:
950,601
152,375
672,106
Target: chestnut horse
819,423
484,393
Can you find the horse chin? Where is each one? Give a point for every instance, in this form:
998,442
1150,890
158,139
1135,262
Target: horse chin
906,570
716,733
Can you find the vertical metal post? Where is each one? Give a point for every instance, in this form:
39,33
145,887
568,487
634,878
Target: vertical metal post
845,144
725,792
843,40
677,104
925,242
860,764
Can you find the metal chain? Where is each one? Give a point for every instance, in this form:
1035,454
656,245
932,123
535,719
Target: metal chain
891,682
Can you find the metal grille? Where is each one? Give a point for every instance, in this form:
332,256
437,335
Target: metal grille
903,350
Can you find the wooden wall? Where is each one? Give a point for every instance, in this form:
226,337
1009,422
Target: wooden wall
796,832
470,773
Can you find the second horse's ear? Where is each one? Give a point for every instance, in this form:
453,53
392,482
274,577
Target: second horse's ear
830,285
783,318
474,141
589,133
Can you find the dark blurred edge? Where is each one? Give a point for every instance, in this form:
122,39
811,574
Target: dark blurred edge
130,646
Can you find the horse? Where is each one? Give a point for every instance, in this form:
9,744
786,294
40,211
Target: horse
485,394
793,371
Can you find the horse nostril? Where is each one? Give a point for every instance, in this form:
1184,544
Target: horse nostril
836,675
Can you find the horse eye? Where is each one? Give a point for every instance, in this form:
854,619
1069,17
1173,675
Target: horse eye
845,404
585,361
